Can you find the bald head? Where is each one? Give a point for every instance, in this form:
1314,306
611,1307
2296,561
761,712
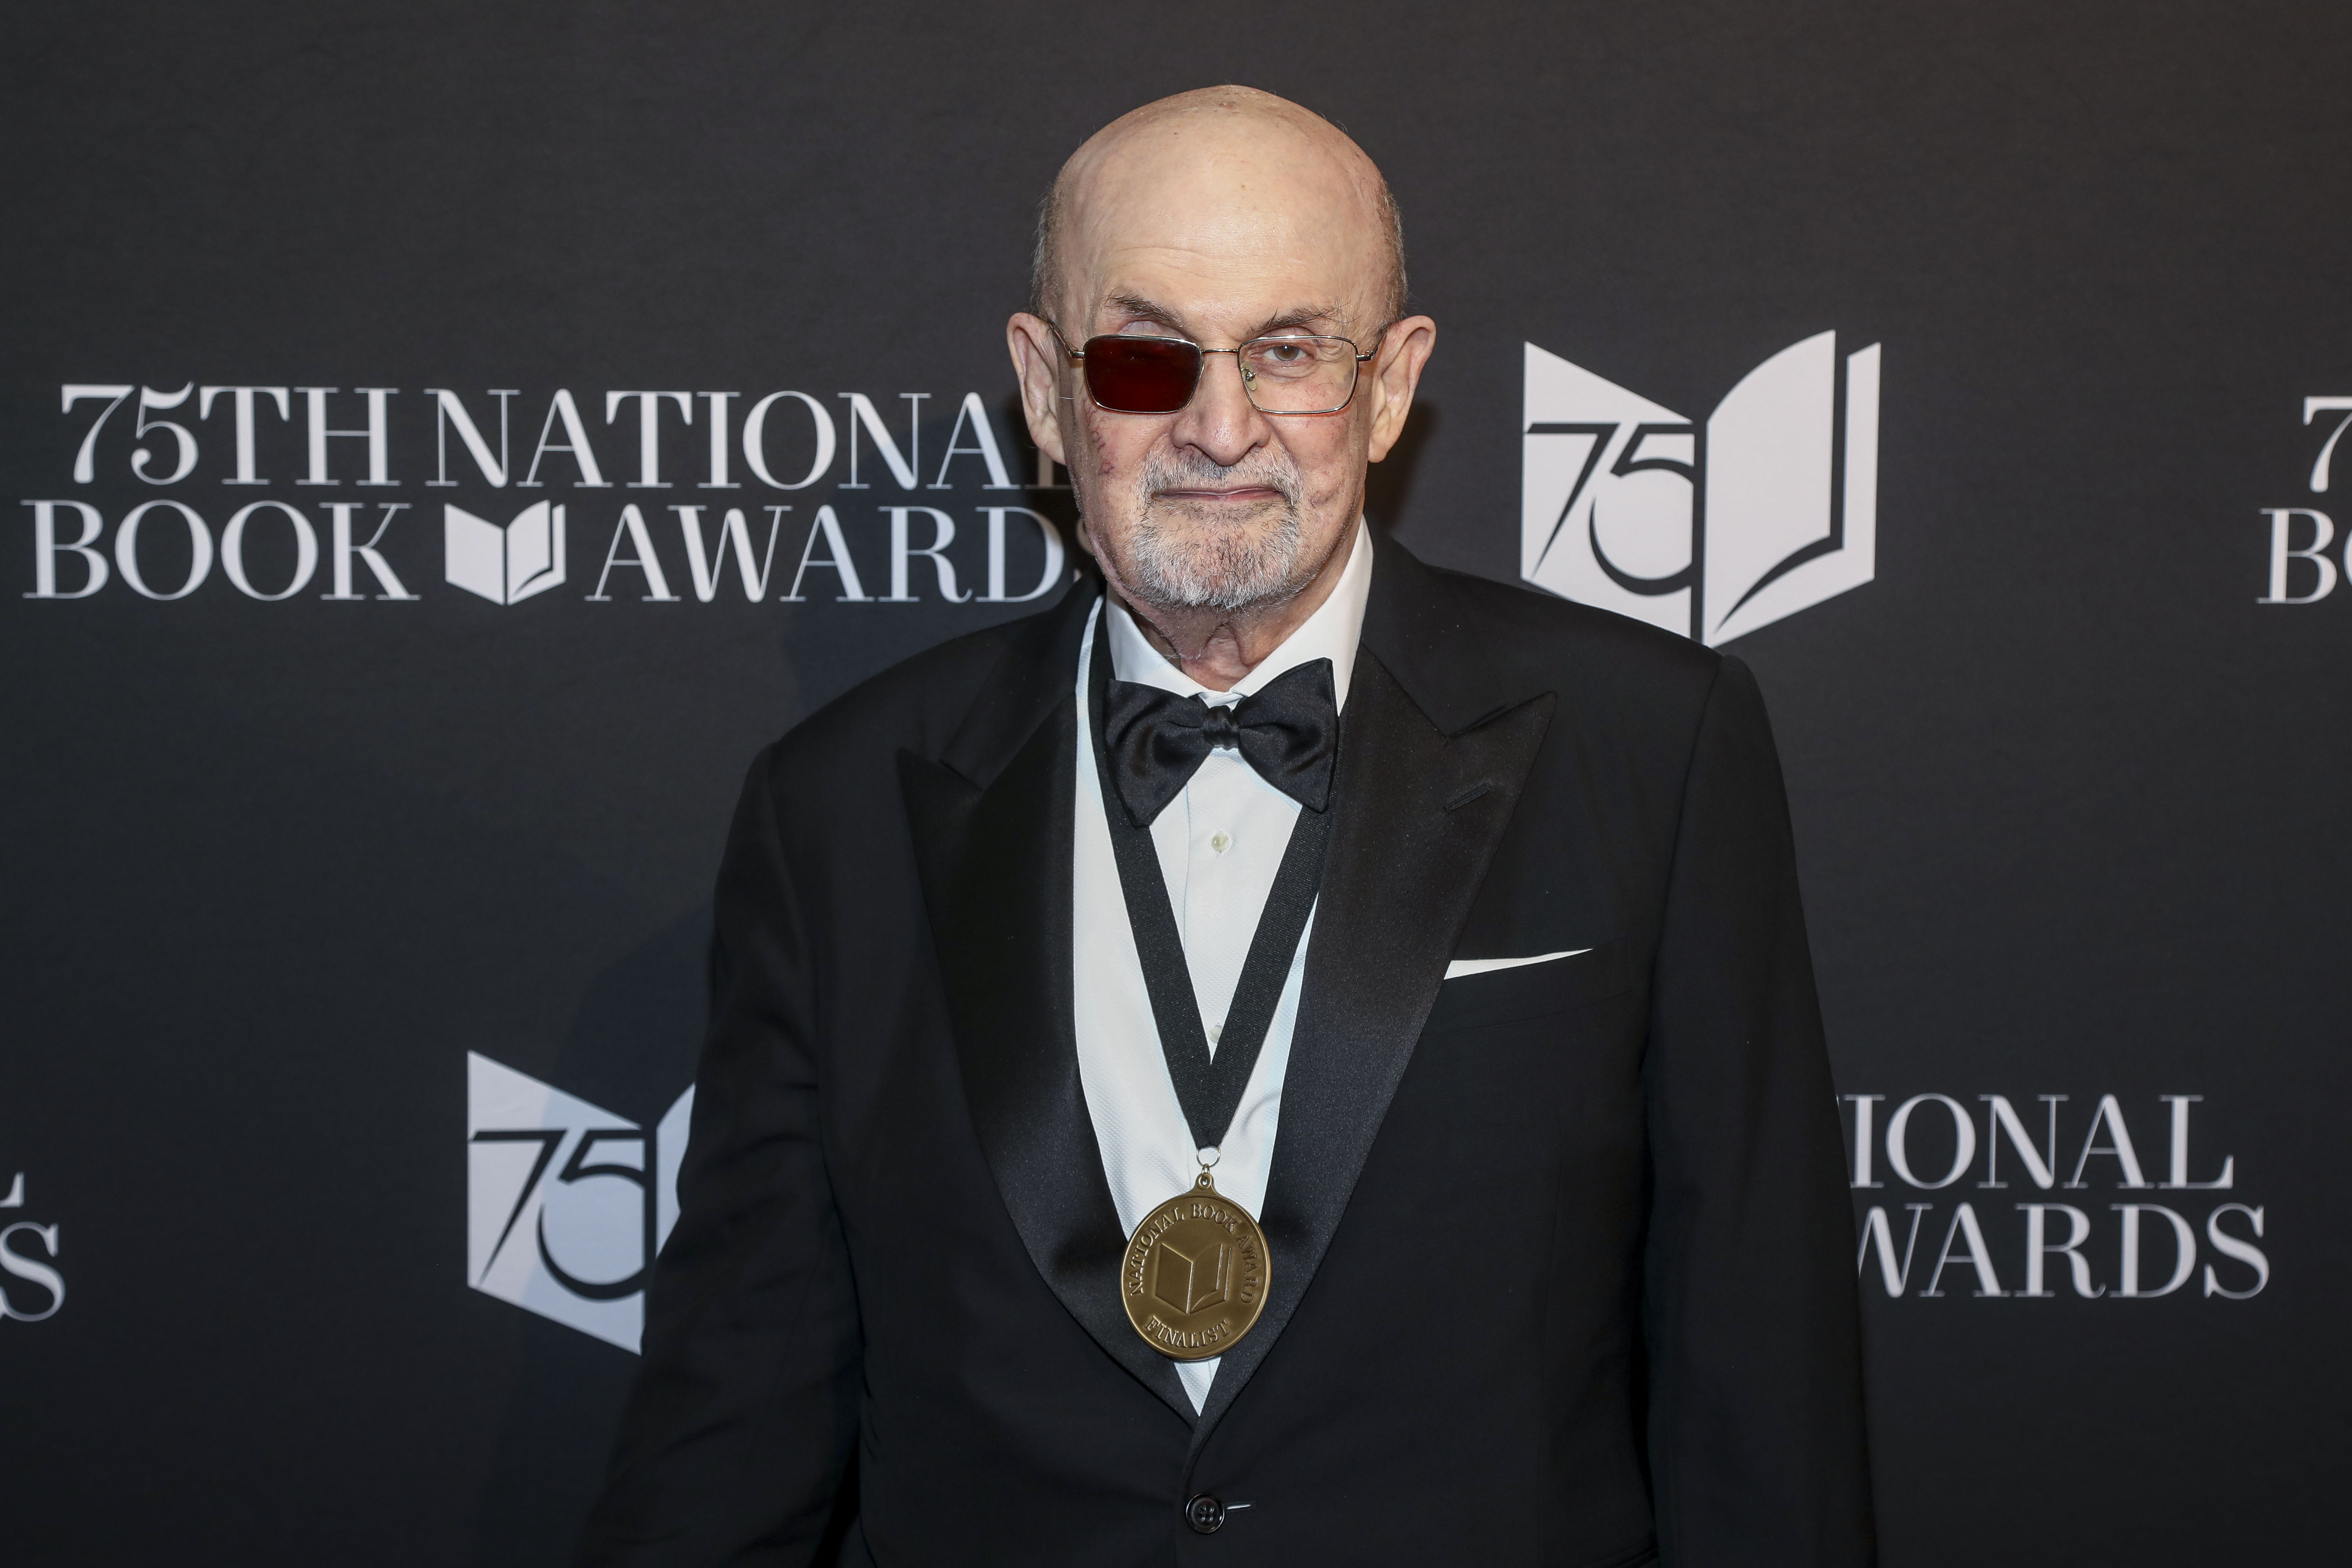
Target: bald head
1220,496
1228,176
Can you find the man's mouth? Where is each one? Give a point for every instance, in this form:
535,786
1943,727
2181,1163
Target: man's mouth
1242,495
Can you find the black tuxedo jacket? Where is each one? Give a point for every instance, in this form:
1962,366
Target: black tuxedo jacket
1562,1264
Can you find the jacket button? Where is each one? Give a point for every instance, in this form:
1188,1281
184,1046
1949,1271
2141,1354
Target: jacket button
1204,1514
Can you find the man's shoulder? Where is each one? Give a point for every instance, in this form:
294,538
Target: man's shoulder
1527,623
1489,641
919,703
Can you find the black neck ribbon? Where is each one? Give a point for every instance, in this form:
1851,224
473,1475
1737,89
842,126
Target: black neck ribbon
1208,1084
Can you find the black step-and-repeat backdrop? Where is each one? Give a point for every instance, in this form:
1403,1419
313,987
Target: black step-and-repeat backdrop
441,442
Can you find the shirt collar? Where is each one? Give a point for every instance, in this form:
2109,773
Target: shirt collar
1331,632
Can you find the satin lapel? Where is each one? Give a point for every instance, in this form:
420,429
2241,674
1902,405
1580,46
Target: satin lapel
991,826
1420,814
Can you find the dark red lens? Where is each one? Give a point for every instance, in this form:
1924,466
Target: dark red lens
1141,375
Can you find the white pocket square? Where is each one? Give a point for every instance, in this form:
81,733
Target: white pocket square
1462,966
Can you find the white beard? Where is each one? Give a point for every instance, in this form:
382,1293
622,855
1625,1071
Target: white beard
1211,568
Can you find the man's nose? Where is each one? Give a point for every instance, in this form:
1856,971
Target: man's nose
1221,423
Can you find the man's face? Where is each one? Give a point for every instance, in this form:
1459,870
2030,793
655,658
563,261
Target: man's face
1219,238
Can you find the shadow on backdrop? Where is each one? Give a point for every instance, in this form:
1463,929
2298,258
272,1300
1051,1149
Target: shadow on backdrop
631,1048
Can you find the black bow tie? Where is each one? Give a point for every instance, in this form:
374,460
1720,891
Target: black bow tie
1289,732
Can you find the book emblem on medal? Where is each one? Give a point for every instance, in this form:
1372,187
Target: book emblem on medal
1194,1276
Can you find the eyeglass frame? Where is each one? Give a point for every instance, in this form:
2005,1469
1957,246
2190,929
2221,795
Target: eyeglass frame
1355,380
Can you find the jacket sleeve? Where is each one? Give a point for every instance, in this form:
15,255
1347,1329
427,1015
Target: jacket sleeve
738,1433
1750,1315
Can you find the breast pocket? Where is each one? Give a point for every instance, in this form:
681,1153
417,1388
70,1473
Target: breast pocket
1531,990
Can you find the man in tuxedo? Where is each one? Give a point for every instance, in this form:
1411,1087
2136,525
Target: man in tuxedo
1288,1057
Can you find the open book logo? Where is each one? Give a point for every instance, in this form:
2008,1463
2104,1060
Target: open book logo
1710,530
505,565
566,1205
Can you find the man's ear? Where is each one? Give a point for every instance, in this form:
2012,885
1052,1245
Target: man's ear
1395,373
1036,360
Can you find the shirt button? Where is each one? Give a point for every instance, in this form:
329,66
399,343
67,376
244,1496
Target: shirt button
1204,1514
1221,842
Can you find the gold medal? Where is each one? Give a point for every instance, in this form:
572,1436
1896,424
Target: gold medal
1195,1274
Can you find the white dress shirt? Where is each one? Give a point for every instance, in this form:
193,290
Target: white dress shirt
1220,843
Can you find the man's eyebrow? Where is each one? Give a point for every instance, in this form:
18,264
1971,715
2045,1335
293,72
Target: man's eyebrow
1304,316
1137,305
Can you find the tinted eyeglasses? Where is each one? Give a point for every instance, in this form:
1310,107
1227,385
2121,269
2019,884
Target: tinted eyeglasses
1286,374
